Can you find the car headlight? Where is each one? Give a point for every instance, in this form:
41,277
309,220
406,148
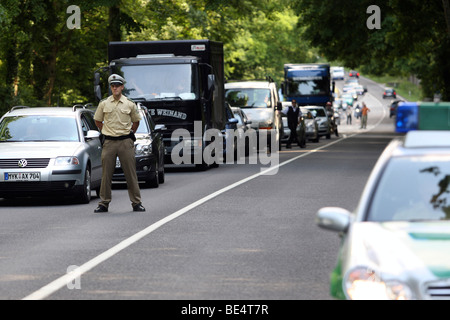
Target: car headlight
362,283
143,149
65,161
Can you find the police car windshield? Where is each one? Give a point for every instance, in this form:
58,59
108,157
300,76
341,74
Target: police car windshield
413,189
160,82
38,128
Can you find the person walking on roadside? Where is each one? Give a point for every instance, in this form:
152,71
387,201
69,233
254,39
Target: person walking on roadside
348,111
293,114
118,118
364,112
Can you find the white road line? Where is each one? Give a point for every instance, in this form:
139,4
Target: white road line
63,281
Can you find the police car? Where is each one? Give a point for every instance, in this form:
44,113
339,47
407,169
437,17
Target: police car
396,245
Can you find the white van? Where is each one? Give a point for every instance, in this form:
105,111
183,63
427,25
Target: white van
337,73
260,102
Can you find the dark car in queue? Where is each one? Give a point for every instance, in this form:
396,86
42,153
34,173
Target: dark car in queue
353,73
389,93
149,152
232,136
53,151
393,108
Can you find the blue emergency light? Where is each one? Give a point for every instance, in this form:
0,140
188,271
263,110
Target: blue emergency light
422,116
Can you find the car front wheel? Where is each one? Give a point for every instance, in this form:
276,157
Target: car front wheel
85,193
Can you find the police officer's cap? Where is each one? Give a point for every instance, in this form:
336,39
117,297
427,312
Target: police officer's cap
116,79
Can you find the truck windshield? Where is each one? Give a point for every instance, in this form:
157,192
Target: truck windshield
157,82
298,86
307,81
248,97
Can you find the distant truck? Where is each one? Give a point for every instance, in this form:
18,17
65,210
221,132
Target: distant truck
308,83
181,82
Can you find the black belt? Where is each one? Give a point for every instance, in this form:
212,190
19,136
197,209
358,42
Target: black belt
128,136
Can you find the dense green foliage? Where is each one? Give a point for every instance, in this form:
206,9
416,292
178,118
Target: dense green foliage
44,62
413,39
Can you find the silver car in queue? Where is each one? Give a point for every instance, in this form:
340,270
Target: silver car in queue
49,151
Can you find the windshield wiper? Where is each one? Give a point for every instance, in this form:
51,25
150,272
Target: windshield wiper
168,98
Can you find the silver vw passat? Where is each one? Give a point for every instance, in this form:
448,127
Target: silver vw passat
49,151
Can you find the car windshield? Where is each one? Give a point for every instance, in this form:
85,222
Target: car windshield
248,97
413,189
38,128
319,112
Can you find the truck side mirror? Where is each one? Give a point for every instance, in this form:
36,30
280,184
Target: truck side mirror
97,88
98,92
96,79
211,82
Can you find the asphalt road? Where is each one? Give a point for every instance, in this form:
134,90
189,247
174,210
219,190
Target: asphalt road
235,232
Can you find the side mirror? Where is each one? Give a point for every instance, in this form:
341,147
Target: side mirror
92,134
97,92
279,106
160,127
233,120
211,82
334,219
96,78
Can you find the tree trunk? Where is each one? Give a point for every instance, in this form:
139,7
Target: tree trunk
114,23
446,5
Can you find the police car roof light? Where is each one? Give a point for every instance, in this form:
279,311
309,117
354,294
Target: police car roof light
407,117
422,116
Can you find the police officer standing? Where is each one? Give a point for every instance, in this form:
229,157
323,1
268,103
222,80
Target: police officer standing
118,118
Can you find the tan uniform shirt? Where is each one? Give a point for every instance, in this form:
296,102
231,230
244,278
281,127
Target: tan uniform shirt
117,116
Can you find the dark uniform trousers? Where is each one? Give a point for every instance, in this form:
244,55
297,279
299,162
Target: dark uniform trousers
124,149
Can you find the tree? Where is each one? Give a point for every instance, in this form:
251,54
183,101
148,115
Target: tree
413,38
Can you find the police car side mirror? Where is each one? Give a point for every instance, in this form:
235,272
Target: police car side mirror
334,219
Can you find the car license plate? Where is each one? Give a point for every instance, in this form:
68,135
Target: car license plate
118,165
22,176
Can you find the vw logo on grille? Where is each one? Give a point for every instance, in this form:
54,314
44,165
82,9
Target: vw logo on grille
22,163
